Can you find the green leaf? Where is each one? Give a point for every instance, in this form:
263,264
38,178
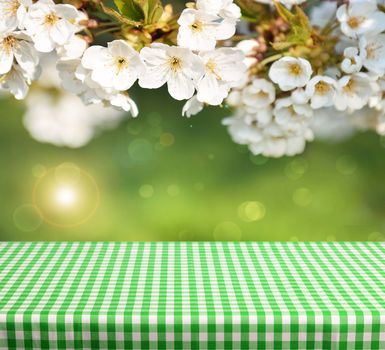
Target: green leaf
300,30
130,9
251,10
153,10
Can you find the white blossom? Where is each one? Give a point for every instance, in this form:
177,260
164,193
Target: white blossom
249,47
270,140
372,53
13,13
63,120
51,25
191,107
176,66
200,30
361,17
323,13
16,82
259,94
73,49
321,91
15,47
290,73
352,63
290,115
331,125
117,66
352,92
223,69
223,8
77,79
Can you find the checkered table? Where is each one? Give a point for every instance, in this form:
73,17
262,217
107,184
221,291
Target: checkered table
192,295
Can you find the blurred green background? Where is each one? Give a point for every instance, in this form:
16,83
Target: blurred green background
164,177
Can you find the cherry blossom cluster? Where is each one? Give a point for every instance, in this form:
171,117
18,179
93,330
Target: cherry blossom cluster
277,115
288,70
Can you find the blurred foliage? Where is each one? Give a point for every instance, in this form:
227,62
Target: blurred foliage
164,177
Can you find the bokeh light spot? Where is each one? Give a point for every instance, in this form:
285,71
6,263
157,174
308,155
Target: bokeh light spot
146,191
173,190
346,165
302,197
294,239
296,169
27,218
140,150
134,128
154,118
251,211
66,196
330,238
39,170
67,173
258,160
167,139
227,231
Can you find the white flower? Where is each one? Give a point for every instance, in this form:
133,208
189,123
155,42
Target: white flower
200,30
73,49
16,82
331,125
270,140
353,92
352,62
176,66
16,48
51,25
117,66
223,8
299,96
290,115
259,94
321,91
13,14
360,18
372,53
262,116
290,73
63,120
77,79
249,48
322,14
223,68
192,107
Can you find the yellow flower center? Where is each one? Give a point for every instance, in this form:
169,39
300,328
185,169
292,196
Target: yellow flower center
355,22
322,88
197,26
175,63
51,19
121,63
211,67
9,43
349,87
11,7
295,69
372,50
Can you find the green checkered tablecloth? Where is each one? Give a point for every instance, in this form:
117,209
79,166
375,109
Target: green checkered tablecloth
192,295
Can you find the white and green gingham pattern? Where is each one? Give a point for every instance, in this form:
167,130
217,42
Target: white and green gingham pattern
192,295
